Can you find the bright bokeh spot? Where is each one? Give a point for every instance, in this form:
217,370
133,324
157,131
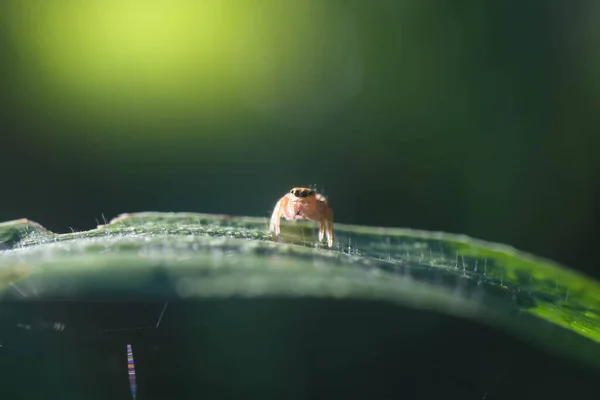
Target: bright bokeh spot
208,60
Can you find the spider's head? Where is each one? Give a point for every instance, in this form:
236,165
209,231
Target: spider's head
300,192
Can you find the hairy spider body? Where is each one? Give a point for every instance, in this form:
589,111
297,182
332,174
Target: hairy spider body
304,203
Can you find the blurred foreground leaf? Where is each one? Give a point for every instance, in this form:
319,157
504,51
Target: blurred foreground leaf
216,256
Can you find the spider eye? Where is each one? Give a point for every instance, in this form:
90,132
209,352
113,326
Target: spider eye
311,193
304,193
297,193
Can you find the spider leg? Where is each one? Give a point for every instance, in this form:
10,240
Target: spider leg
326,220
330,233
330,229
321,229
275,218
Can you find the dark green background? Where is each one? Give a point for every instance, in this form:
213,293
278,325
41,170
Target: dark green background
472,117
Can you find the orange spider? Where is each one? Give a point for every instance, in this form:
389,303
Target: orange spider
304,203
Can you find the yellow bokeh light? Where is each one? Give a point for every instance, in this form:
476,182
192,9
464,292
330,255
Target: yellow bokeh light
209,57
121,47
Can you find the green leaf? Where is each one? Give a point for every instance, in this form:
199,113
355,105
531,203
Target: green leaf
217,256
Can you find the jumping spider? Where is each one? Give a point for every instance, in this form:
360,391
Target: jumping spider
304,203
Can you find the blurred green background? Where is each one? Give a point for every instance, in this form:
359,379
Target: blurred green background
466,116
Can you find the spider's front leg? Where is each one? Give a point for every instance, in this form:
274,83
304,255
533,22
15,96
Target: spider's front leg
322,229
330,229
276,218
326,225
